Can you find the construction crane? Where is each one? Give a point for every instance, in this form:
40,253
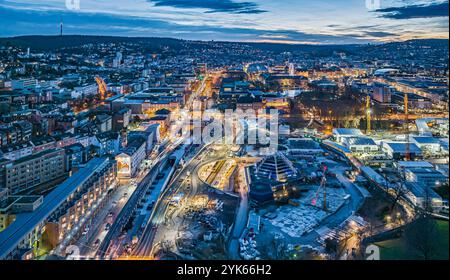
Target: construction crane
323,185
408,145
369,114
102,87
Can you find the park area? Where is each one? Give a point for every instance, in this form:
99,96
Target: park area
398,249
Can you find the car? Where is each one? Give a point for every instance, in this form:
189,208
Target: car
107,227
97,242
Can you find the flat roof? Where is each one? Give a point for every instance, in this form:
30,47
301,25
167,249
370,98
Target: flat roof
373,175
27,222
428,172
35,156
348,131
28,199
414,164
426,140
401,147
303,143
419,190
361,141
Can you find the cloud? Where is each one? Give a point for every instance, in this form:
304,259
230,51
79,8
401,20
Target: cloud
213,6
415,11
29,22
192,25
379,34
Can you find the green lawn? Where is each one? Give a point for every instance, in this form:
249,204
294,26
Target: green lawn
397,249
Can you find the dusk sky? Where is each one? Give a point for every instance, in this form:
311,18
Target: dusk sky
290,21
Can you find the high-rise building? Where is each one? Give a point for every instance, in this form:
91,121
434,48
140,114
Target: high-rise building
382,94
63,213
32,171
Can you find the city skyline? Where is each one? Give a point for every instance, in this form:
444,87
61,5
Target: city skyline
288,21
225,130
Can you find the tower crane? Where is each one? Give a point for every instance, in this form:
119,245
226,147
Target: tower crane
323,185
368,114
408,145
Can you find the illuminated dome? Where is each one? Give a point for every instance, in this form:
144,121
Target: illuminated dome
256,68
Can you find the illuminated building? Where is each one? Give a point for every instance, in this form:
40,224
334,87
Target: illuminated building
24,84
103,122
341,133
150,133
32,171
17,151
285,82
303,146
420,195
382,94
249,102
129,161
121,119
276,167
359,144
270,176
398,150
276,102
427,143
62,213
85,90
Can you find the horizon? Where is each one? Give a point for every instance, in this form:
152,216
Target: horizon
320,22
222,41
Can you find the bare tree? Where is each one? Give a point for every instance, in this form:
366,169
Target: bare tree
422,237
399,190
336,247
427,204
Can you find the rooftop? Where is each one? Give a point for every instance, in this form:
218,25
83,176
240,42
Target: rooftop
347,132
360,141
426,140
401,147
303,144
27,222
36,156
414,164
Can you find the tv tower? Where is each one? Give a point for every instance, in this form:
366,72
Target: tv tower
61,25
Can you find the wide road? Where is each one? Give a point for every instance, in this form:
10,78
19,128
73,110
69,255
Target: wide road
241,216
189,184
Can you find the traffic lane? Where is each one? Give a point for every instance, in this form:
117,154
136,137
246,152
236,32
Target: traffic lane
86,243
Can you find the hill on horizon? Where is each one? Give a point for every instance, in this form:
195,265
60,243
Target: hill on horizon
55,42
